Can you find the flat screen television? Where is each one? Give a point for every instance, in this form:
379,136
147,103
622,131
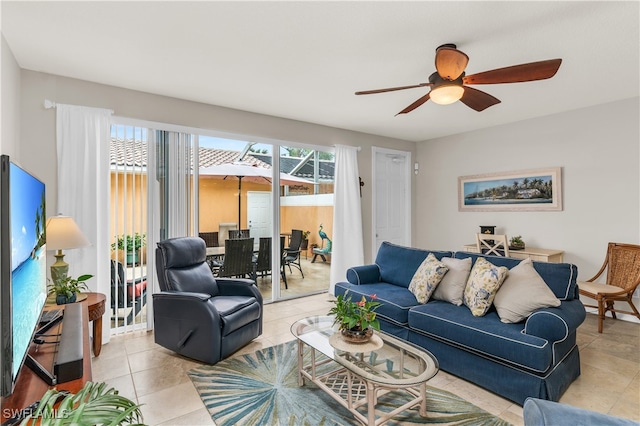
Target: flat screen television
23,285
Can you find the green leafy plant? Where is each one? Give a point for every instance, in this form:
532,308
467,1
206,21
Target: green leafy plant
516,241
305,235
94,404
355,315
69,286
131,243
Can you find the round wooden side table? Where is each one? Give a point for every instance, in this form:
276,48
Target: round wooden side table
96,306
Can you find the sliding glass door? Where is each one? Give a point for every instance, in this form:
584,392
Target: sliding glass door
187,183
306,212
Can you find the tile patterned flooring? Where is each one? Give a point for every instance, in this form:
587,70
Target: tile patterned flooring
156,377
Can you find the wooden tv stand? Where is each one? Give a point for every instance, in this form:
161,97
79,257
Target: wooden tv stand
30,388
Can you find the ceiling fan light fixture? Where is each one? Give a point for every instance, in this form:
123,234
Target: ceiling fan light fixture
446,94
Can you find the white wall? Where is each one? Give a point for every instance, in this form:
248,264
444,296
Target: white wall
598,149
10,103
38,126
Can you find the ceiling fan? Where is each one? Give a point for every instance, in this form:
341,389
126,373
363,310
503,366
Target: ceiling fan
449,83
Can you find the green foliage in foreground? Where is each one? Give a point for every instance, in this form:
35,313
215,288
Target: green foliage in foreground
94,404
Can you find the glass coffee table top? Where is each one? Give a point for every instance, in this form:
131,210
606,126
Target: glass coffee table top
395,364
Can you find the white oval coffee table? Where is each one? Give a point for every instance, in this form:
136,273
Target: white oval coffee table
356,376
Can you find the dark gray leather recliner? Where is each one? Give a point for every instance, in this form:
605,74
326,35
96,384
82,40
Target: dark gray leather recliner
196,315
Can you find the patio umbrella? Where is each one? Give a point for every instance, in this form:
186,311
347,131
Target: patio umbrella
248,172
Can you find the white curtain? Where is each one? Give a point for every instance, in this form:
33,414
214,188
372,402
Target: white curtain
348,246
82,139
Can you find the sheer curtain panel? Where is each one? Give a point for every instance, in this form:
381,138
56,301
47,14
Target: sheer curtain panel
82,140
347,249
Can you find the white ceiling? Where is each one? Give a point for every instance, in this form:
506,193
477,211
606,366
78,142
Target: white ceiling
304,60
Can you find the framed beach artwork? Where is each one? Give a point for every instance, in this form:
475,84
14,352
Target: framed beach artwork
527,190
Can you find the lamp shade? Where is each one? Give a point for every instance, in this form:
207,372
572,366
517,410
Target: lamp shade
63,233
446,94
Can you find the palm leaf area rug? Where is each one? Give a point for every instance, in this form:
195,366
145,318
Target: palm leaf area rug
262,389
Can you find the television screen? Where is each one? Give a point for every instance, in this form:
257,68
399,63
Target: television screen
24,278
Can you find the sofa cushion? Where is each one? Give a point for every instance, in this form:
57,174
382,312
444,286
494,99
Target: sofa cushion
486,335
398,263
560,277
523,292
426,278
453,283
395,301
484,281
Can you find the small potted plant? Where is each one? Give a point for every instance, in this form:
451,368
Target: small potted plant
516,243
131,245
304,245
67,288
357,320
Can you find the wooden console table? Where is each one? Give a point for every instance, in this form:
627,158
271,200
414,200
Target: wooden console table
30,388
535,254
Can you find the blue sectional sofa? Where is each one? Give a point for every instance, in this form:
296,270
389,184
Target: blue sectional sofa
534,358
538,412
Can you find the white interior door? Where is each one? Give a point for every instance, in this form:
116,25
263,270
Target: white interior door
259,213
391,197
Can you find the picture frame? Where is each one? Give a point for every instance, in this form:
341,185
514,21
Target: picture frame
525,190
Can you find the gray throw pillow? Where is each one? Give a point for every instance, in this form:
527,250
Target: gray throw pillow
453,283
523,292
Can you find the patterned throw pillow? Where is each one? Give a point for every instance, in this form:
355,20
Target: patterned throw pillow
523,292
483,284
426,278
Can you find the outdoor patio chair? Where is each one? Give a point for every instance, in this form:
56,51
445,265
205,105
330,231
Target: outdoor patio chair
263,262
197,315
235,234
283,271
238,259
210,238
292,253
134,297
623,277
492,244
223,231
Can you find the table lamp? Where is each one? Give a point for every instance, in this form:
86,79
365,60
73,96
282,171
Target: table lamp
62,234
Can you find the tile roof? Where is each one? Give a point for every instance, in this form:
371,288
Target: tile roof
134,153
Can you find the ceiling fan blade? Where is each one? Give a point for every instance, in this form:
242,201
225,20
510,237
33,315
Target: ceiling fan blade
517,73
450,62
477,99
415,105
391,89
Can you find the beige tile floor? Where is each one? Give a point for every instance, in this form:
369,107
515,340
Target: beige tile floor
156,377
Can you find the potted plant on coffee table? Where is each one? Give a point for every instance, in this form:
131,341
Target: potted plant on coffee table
357,320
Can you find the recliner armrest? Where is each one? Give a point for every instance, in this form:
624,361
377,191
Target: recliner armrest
555,324
182,304
182,295
238,287
367,274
